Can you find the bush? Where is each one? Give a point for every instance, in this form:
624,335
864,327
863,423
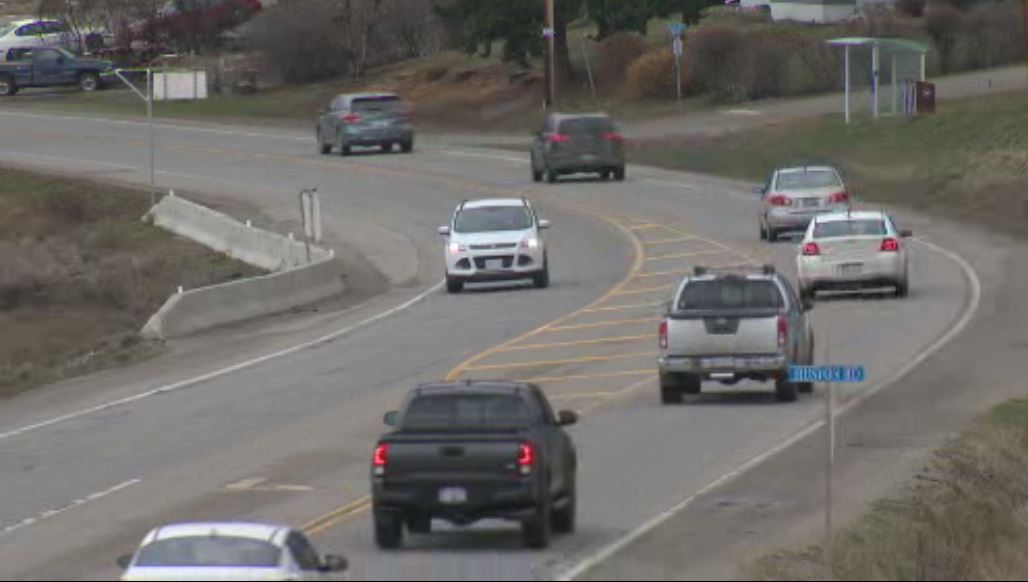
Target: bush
652,76
615,54
716,56
301,43
991,35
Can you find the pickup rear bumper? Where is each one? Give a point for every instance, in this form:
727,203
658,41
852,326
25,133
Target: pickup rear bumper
509,500
751,366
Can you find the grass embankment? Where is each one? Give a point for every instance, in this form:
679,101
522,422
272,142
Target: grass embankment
964,518
969,161
80,274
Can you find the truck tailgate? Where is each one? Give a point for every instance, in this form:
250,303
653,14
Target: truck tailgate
716,333
460,457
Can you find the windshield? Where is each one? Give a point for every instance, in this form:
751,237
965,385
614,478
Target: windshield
467,412
5,30
808,179
493,219
385,104
850,228
210,551
730,294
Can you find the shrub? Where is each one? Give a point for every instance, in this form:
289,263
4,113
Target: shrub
615,55
716,57
652,76
991,35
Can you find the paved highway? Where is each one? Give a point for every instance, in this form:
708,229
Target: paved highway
87,468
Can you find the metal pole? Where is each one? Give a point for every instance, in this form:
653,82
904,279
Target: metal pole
874,81
895,97
678,71
829,469
923,67
551,53
1024,14
149,117
589,68
846,84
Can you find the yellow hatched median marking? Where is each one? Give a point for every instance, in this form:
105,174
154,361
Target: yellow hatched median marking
644,290
568,344
625,307
596,324
685,255
667,241
596,376
583,359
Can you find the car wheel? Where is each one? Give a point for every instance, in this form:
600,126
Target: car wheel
537,176
903,288
772,235
551,176
690,384
807,294
785,391
7,86
388,530
536,530
387,147
619,173
454,285
326,148
407,146
89,82
420,524
670,388
808,387
541,280
564,518
763,232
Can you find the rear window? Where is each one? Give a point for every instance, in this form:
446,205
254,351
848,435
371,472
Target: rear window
493,219
386,104
719,294
210,551
808,179
586,125
839,228
468,412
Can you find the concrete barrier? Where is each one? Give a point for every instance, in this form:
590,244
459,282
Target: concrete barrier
295,283
267,250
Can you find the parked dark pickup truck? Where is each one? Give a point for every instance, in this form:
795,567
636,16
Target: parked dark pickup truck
51,67
468,451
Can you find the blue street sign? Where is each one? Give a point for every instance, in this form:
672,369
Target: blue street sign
676,28
834,374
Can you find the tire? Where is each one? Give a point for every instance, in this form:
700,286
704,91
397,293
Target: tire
538,529
670,388
807,294
763,232
903,288
388,530
551,176
7,86
691,385
89,82
564,518
344,148
420,524
605,175
324,147
541,280
537,176
407,146
772,235
808,387
619,173
454,285
387,148
785,391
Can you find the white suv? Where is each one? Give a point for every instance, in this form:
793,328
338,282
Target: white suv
495,239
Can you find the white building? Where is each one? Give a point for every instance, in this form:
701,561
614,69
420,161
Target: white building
818,11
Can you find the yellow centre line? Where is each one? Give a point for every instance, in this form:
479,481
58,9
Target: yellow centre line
685,255
537,363
574,343
622,307
667,241
662,274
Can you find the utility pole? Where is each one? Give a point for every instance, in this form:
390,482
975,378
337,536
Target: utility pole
551,73
1024,14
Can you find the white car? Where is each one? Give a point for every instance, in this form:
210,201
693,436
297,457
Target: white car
26,34
229,551
495,239
853,250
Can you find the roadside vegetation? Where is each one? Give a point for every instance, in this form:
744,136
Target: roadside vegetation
80,274
969,161
965,517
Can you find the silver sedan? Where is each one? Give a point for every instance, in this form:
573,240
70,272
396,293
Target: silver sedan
793,196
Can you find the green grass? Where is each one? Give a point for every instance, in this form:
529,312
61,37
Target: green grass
80,274
964,518
968,161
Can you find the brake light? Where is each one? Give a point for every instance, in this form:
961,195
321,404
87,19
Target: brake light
839,198
350,118
526,458
613,136
780,200
811,249
663,334
890,245
378,460
783,331
558,138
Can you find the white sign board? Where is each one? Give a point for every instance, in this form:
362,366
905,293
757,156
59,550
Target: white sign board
676,46
180,85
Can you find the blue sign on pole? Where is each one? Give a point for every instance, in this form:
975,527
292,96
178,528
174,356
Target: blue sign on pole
834,374
676,28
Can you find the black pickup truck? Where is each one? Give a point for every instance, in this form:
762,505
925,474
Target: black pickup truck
467,451
51,67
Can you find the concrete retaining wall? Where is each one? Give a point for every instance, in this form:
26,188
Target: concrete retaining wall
295,283
260,248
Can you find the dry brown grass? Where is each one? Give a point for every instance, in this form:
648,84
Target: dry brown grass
80,274
652,76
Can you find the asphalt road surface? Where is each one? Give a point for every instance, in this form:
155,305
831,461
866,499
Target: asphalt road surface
88,467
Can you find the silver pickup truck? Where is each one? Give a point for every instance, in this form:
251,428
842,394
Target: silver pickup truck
732,326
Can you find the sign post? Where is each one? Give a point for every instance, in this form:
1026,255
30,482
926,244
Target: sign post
310,212
830,375
148,98
676,30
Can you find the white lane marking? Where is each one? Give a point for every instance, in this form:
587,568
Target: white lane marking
74,504
16,154
971,310
261,484
215,130
743,112
223,371
510,159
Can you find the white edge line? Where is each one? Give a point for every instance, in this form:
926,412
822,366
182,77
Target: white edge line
969,313
223,371
461,154
73,505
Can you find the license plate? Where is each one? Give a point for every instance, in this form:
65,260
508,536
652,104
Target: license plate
851,269
810,202
453,495
588,157
383,123
494,264
720,362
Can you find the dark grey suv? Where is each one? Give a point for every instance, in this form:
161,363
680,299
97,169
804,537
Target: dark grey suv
578,144
365,119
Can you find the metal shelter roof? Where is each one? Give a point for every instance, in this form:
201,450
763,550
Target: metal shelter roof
900,45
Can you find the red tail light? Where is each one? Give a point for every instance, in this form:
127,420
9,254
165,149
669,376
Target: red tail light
526,458
780,200
811,249
378,460
890,245
613,136
839,198
558,138
350,118
783,331
663,334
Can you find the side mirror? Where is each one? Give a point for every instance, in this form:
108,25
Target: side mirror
390,418
566,418
906,233
333,563
759,190
444,230
124,561
544,224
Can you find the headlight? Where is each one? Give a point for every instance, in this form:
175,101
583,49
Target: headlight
455,248
530,243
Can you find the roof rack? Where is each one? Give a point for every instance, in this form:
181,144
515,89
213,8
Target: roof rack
767,269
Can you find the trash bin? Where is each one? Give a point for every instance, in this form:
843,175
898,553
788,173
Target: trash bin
925,97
